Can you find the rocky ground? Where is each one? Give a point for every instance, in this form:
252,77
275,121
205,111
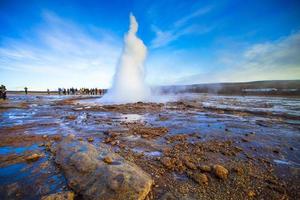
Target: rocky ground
205,147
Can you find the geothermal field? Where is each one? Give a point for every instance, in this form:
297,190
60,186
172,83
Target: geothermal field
202,141
200,146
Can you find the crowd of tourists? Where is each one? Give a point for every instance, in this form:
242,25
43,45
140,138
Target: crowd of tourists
62,91
81,91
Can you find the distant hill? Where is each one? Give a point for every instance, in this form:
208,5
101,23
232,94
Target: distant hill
274,87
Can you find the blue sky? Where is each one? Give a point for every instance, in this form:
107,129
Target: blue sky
50,44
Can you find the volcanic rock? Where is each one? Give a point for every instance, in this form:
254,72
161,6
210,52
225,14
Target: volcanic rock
200,178
57,138
221,172
90,139
107,159
59,196
190,164
251,194
167,162
33,157
238,170
92,178
205,168
48,146
71,117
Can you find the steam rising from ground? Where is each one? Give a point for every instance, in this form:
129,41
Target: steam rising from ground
129,80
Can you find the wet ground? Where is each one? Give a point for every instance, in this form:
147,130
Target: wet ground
180,144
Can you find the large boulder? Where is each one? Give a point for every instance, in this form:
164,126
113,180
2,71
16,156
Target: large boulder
59,196
90,175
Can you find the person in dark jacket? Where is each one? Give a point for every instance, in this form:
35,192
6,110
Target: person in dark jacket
26,90
3,92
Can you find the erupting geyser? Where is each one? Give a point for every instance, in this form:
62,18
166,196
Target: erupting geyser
129,80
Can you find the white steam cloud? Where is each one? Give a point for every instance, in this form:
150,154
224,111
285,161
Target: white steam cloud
129,80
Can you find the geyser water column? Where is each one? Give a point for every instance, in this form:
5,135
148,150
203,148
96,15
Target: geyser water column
129,80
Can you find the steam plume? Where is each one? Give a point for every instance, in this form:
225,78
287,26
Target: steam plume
129,80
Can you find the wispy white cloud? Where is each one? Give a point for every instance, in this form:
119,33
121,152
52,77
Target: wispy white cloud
199,12
60,48
180,28
273,60
164,38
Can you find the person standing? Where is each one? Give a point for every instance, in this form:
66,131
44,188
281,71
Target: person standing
48,91
26,90
3,92
72,91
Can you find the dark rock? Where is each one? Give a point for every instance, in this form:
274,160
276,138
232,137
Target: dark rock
244,140
276,151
